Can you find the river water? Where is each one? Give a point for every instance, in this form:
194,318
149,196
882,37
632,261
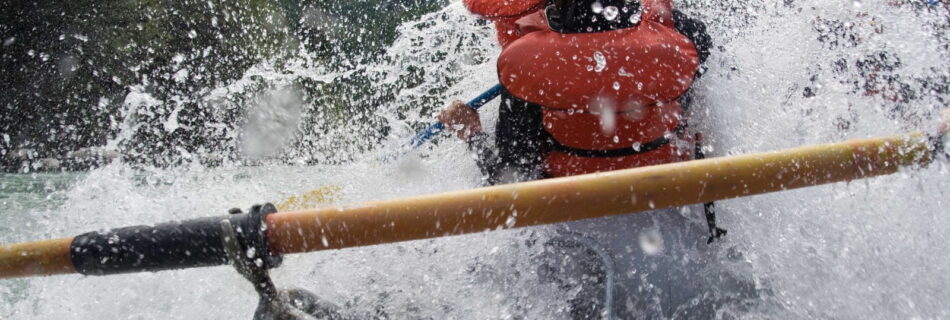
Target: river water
781,75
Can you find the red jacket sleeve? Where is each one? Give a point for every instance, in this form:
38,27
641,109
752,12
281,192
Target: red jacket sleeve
505,14
499,9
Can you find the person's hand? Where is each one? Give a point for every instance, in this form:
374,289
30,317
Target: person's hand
461,119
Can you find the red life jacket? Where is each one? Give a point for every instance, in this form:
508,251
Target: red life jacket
610,99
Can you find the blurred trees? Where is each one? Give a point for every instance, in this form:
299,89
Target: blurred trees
77,73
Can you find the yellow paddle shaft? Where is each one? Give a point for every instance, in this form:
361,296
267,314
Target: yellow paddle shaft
591,196
38,258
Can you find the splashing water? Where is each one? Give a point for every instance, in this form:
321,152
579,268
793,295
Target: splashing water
606,109
610,13
788,73
597,7
600,62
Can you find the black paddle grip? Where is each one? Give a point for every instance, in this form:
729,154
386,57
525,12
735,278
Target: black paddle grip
172,245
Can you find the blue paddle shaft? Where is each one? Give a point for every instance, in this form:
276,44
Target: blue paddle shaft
437,127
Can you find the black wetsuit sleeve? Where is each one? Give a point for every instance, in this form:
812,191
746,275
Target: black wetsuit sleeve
485,155
695,30
520,143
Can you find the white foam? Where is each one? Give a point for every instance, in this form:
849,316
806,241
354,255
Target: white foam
868,249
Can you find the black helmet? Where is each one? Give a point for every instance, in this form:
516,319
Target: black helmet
577,16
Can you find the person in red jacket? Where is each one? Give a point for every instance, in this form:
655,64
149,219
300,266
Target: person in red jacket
592,86
610,118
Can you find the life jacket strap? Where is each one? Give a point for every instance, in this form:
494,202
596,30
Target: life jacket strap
583,153
709,208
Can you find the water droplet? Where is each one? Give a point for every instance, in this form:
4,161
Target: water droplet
610,13
651,242
597,7
606,109
616,85
635,18
600,60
